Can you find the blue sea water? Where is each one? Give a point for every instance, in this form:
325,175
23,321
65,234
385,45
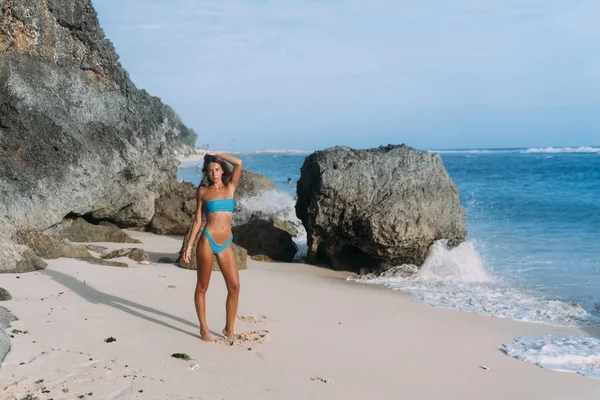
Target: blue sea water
533,250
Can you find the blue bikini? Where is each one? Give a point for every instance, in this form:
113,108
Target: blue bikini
210,207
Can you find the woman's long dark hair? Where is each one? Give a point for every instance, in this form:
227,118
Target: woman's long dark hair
225,178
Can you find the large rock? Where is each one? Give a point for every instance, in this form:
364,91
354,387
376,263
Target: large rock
175,210
51,248
77,138
16,258
82,231
377,208
4,295
132,253
48,247
261,237
252,184
5,319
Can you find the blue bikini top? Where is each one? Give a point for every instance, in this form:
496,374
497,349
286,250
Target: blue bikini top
215,205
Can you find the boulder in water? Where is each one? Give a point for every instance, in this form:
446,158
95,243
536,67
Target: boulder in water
378,208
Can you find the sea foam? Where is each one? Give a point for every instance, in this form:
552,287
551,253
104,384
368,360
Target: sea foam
457,278
475,151
581,149
574,353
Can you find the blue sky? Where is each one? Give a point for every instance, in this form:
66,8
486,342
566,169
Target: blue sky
308,74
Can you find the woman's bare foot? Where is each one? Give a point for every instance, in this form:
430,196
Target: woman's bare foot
206,336
229,336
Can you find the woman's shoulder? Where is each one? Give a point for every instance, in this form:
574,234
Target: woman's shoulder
202,190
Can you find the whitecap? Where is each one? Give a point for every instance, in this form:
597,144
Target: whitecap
456,277
580,149
572,353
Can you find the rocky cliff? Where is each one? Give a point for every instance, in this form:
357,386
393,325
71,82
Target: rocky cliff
77,138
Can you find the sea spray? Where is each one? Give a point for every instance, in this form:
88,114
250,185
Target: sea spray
277,205
456,277
453,264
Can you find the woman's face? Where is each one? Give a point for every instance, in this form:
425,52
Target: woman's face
215,172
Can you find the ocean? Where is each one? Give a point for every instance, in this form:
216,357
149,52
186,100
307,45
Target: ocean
533,249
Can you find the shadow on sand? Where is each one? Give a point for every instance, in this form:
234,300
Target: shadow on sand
131,307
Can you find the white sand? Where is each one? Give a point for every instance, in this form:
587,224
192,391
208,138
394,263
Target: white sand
369,342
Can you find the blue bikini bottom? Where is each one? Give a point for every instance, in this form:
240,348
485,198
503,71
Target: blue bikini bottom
216,248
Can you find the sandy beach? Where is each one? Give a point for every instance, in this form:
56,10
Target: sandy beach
306,332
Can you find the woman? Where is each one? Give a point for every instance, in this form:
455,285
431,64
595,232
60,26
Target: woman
215,199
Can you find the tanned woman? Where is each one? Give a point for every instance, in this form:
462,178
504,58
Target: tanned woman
214,199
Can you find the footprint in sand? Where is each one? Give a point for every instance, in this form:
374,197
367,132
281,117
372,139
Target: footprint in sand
253,319
246,340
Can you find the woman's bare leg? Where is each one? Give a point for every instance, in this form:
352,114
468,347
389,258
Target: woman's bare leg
204,257
229,269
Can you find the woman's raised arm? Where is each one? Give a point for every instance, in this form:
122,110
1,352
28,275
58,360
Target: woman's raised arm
237,168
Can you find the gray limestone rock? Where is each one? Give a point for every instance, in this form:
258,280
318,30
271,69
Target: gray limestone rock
16,258
5,319
77,138
134,253
262,237
377,208
252,184
48,247
51,248
99,261
95,248
4,295
175,210
82,231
